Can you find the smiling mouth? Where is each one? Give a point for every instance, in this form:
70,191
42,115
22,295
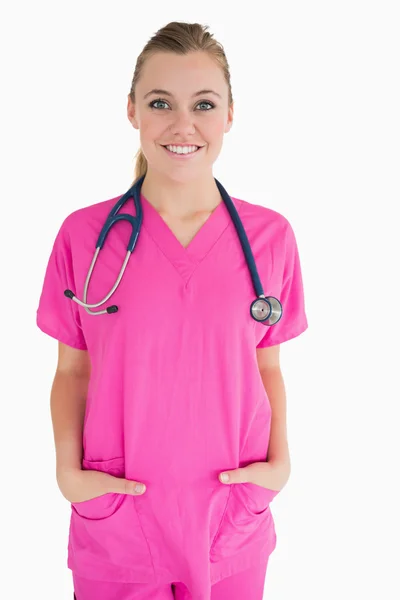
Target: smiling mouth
182,153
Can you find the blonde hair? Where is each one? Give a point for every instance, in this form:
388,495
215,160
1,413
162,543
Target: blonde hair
179,38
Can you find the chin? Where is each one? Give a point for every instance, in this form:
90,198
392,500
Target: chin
183,175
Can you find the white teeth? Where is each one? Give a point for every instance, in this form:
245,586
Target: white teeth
182,149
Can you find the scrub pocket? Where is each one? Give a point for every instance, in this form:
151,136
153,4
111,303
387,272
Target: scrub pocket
101,507
105,536
255,498
247,522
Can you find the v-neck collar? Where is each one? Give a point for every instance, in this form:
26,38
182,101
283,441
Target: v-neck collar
186,259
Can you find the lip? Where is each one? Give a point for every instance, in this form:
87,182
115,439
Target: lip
176,156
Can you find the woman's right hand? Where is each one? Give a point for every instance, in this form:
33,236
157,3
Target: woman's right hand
78,485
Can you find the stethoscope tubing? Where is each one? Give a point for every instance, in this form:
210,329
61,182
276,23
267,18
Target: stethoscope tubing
243,240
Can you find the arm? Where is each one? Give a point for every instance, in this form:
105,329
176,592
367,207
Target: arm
278,450
68,402
273,473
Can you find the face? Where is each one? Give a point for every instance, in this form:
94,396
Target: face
179,115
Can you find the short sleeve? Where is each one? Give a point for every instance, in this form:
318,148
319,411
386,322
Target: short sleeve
294,320
57,315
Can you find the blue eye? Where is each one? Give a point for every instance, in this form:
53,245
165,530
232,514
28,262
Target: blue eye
153,102
206,102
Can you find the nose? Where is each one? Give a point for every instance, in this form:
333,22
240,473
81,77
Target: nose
183,123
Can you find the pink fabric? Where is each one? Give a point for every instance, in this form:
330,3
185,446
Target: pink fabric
175,395
248,584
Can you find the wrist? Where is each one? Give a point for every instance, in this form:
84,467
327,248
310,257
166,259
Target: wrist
279,471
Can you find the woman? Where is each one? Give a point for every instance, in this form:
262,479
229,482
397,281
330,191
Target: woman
181,383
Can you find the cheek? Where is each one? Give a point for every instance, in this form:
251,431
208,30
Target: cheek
214,135
149,130
213,128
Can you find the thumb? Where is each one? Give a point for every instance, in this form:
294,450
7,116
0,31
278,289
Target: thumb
234,476
133,488
126,486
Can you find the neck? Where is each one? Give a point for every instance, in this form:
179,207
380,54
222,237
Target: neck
177,198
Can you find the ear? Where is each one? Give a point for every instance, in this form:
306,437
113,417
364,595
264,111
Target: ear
131,112
230,119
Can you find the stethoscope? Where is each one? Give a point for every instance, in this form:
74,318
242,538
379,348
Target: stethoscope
266,310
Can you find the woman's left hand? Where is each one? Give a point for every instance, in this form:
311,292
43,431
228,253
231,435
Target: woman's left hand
272,475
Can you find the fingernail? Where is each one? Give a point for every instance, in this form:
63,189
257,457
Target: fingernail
139,488
224,477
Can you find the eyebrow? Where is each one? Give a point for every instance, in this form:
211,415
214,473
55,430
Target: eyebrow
166,93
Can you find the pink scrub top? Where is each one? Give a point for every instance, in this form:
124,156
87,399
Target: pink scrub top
175,395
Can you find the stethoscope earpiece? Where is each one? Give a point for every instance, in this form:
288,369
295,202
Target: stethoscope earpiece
112,309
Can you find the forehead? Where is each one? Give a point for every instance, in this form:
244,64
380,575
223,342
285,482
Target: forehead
183,74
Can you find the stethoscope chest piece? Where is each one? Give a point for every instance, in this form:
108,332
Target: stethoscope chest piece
266,309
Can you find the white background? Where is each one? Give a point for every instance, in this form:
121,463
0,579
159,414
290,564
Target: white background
316,137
